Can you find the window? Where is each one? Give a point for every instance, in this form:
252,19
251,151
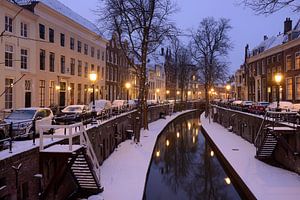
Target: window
8,93
25,193
79,67
92,67
42,59
289,88
79,94
297,88
9,50
268,60
24,58
85,94
79,46
42,93
86,49
72,87
98,54
51,35
52,62
72,66
278,57
23,29
273,59
8,24
86,70
62,39
102,73
103,55
72,43
92,52
288,62
51,92
62,64
42,31
297,60
263,67
98,71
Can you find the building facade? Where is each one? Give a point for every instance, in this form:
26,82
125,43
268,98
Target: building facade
277,54
57,49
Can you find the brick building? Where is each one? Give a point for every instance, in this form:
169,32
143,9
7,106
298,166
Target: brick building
277,54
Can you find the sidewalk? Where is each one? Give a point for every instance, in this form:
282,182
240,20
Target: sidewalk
123,174
266,182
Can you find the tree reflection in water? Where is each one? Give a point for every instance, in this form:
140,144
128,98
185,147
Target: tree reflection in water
186,167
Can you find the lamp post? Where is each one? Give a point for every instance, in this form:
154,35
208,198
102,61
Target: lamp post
127,86
228,87
278,78
93,78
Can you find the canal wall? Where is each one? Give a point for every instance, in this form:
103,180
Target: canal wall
39,174
247,125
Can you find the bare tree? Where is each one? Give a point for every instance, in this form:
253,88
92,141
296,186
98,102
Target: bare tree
209,46
271,6
144,24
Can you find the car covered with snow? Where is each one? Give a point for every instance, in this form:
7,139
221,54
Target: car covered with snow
283,106
119,105
101,106
72,114
22,120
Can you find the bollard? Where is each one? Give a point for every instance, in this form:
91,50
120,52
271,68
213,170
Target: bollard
10,136
34,131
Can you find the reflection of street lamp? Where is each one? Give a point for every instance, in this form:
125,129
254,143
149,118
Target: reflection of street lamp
278,78
127,86
228,87
93,78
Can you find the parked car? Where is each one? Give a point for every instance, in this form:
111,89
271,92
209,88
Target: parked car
72,114
22,119
295,108
283,106
236,104
151,102
259,107
101,106
119,105
132,103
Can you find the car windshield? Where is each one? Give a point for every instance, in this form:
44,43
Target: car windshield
21,114
73,109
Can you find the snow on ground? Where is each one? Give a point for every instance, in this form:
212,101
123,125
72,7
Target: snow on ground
123,174
265,181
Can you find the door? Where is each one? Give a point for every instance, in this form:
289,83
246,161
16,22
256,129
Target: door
62,99
27,99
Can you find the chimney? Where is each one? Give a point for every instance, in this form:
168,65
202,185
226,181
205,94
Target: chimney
287,25
162,51
265,37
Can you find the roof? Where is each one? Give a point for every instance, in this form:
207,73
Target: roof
66,11
276,40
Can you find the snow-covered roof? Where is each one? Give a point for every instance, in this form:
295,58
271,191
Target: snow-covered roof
276,40
66,11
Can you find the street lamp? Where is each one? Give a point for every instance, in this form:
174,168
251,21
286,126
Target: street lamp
167,93
93,78
278,78
127,86
228,87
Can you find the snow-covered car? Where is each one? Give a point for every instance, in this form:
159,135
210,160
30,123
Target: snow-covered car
295,108
132,103
73,114
152,102
245,105
259,107
283,106
22,119
119,104
101,106
3,130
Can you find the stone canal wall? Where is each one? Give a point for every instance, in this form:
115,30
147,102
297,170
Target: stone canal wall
247,125
38,171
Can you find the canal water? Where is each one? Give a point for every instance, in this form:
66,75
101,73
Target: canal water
184,166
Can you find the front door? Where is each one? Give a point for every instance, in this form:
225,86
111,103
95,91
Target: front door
27,99
62,99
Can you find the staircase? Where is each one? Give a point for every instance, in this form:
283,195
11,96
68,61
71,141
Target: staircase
84,175
267,146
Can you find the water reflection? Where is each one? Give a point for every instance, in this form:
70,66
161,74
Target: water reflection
185,167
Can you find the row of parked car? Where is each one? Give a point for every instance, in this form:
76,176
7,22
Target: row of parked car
259,107
22,119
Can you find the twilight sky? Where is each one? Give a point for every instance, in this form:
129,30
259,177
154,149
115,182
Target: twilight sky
247,27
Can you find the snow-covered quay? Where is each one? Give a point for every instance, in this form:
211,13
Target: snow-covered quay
123,174
265,181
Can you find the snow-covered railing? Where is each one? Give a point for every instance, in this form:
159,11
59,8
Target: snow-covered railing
70,131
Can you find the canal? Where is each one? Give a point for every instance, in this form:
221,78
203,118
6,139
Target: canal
184,166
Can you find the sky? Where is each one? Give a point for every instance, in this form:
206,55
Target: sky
247,27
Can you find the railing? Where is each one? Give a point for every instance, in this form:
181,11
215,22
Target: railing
84,140
69,132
